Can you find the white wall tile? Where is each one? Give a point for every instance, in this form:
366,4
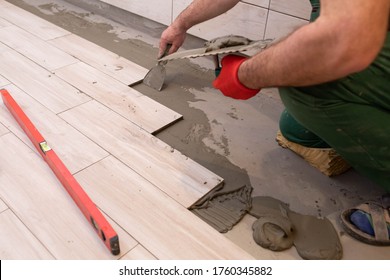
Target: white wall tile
244,19
157,10
280,25
248,18
298,8
261,3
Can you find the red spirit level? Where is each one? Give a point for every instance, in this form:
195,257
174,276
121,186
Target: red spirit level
80,197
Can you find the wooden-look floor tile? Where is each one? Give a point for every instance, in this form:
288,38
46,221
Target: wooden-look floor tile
74,149
139,109
17,242
4,48
28,21
174,173
35,48
3,81
3,206
3,130
106,61
41,84
139,253
161,225
4,23
31,190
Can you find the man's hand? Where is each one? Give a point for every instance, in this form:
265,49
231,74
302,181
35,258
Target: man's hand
172,36
198,11
228,82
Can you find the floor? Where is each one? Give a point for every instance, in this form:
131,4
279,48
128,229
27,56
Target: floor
232,140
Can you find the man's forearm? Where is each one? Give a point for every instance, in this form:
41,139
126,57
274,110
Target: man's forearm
345,39
202,10
299,60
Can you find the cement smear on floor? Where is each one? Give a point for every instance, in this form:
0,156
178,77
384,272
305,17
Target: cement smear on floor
234,139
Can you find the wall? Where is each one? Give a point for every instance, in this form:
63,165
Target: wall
255,19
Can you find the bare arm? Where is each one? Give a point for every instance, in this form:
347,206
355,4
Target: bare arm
345,39
198,11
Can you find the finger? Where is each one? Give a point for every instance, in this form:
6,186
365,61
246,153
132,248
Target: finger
162,47
173,49
161,51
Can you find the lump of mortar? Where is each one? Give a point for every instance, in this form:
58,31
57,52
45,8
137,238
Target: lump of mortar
226,41
273,232
313,238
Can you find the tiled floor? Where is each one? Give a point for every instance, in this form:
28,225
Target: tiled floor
142,185
233,139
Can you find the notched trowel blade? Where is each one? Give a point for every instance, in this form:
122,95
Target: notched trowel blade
254,45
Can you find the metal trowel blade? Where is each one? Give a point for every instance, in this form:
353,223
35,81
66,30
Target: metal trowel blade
155,77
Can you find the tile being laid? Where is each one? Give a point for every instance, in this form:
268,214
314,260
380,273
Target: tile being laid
131,104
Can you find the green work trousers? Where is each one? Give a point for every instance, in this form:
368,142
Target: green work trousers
352,115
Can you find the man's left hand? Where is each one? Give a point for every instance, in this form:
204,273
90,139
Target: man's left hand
227,81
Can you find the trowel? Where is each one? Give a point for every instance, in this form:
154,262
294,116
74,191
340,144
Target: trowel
204,51
156,76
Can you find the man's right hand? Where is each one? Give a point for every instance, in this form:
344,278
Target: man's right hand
171,36
198,11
